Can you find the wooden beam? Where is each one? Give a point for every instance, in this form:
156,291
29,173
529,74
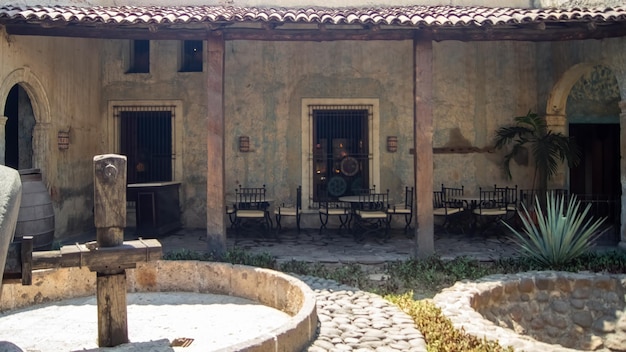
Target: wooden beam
79,255
530,32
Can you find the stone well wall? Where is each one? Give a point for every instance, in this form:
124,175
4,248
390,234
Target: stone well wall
542,311
271,288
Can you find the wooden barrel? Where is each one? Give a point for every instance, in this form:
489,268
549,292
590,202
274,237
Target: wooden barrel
36,215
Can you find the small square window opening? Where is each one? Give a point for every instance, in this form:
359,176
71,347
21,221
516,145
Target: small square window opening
140,56
192,56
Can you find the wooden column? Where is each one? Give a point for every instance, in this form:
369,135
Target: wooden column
110,221
215,210
423,149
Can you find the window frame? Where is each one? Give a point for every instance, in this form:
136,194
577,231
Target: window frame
307,151
176,106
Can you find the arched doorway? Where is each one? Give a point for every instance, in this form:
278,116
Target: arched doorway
592,112
19,129
29,89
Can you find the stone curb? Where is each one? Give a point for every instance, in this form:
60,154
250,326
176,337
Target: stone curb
534,295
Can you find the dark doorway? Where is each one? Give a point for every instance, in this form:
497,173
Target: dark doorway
598,171
18,129
596,180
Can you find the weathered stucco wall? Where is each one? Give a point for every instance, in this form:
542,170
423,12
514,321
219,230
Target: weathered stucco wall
265,85
166,83
62,78
477,88
481,86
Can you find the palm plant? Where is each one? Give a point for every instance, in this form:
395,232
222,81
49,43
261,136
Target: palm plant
561,234
547,148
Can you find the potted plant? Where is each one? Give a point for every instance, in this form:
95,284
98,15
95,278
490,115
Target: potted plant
547,148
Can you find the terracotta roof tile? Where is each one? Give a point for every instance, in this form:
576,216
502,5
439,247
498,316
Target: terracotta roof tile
441,16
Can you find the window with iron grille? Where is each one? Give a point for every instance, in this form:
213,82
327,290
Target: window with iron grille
340,150
146,140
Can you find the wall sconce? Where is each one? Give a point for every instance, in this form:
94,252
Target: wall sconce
392,144
244,144
63,140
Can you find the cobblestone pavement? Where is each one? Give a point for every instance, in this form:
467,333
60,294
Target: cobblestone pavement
353,320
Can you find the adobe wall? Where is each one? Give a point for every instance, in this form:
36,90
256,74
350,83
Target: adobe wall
476,88
62,79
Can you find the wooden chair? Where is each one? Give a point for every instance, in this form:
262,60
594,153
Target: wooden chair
252,208
371,215
294,210
405,208
332,208
445,209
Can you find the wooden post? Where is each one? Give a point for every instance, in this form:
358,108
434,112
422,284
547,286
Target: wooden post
423,158
110,221
216,225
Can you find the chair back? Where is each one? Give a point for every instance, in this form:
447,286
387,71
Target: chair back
491,198
449,194
438,200
508,194
408,197
251,198
360,191
374,201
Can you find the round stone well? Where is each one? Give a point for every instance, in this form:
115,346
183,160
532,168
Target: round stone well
542,311
239,289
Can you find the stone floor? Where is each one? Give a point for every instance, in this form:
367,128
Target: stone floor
334,247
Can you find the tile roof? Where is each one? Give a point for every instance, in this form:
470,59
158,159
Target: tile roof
411,16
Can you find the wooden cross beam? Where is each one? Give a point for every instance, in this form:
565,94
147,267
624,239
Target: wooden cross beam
21,259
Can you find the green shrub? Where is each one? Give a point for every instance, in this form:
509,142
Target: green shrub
433,273
561,234
438,331
233,256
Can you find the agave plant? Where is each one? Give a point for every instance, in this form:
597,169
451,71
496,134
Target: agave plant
561,232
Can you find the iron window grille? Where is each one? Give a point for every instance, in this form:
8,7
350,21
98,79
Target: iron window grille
146,140
340,150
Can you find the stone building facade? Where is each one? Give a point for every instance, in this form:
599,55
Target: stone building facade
469,86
